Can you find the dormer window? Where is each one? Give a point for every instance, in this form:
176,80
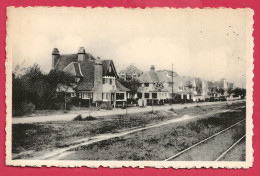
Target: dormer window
110,69
77,80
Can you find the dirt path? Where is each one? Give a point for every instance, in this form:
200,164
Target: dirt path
61,153
71,116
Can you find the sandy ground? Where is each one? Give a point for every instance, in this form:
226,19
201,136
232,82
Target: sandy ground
117,111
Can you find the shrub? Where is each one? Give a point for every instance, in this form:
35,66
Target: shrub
78,118
58,105
27,107
89,118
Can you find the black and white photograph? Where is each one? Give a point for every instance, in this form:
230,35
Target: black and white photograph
118,87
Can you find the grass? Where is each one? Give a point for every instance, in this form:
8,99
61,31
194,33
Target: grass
159,143
39,137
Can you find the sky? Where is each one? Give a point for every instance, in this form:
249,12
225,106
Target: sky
210,44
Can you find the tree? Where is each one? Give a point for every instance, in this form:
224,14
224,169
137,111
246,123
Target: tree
132,84
229,91
239,92
62,81
220,91
33,88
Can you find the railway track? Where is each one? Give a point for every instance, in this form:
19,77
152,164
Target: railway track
207,139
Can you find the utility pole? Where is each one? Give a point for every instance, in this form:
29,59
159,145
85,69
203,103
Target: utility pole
172,88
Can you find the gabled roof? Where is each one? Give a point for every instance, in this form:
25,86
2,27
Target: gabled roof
120,87
65,60
148,77
106,64
74,69
154,77
85,68
130,69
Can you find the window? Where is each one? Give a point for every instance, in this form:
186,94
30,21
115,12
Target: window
139,95
120,96
154,95
73,94
104,80
110,69
146,95
110,81
146,84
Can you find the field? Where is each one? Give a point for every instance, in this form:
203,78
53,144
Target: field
31,140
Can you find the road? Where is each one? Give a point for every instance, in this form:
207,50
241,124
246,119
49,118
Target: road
116,111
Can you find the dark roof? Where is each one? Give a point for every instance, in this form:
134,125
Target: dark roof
87,69
77,68
120,87
65,60
106,64
74,69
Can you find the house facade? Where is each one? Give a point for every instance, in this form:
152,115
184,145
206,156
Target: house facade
131,72
97,80
155,86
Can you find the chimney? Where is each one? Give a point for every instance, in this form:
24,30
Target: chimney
152,68
55,57
98,81
81,54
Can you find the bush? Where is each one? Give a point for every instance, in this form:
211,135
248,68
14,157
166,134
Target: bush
27,107
58,105
78,118
89,118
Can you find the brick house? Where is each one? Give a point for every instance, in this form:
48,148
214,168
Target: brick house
97,80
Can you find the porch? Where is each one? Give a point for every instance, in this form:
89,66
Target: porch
115,98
